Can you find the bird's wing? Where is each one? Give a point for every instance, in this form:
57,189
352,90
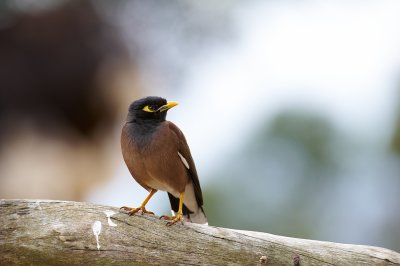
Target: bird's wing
186,157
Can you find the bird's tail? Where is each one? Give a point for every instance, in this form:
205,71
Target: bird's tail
193,215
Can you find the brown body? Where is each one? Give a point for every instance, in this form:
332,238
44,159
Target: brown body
158,165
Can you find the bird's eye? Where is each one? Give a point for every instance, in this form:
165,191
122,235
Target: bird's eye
150,108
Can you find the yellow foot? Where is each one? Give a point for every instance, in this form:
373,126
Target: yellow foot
131,211
173,219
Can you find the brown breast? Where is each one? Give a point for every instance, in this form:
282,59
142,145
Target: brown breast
157,164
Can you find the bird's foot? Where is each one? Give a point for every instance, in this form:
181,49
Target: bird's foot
131,211
173,219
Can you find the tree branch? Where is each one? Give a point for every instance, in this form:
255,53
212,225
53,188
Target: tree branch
60,232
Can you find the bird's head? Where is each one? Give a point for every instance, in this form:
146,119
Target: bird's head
151,108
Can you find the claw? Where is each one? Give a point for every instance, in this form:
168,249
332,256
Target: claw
179,216
142,210
131,211
173,219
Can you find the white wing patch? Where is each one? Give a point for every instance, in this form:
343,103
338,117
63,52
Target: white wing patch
184,160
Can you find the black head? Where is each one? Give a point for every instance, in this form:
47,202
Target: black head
149,109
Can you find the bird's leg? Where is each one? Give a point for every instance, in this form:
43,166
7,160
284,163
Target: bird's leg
178,217
142,208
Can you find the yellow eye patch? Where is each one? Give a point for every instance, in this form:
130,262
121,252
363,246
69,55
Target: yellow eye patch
149,108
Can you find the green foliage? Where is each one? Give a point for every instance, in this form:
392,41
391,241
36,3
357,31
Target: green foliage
299,176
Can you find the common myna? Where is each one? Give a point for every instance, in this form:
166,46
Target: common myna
159,158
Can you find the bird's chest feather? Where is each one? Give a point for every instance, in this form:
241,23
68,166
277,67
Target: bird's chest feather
153,158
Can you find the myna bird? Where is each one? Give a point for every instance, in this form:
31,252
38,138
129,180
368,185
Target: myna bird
159,158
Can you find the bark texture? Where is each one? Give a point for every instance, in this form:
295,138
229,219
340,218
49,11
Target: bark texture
41,232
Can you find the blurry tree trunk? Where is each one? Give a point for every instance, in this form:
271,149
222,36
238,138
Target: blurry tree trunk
396,137
395,145
59,232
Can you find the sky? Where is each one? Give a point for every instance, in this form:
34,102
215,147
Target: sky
341,60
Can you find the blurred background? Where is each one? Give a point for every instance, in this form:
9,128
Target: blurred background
291,108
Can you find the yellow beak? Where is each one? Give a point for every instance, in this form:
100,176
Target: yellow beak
168,106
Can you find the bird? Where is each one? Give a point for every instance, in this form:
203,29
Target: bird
158,157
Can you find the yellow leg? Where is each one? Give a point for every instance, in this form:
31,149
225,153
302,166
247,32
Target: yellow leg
179,215
152,192
142,208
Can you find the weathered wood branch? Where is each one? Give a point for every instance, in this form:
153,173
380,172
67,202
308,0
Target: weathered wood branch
60,232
